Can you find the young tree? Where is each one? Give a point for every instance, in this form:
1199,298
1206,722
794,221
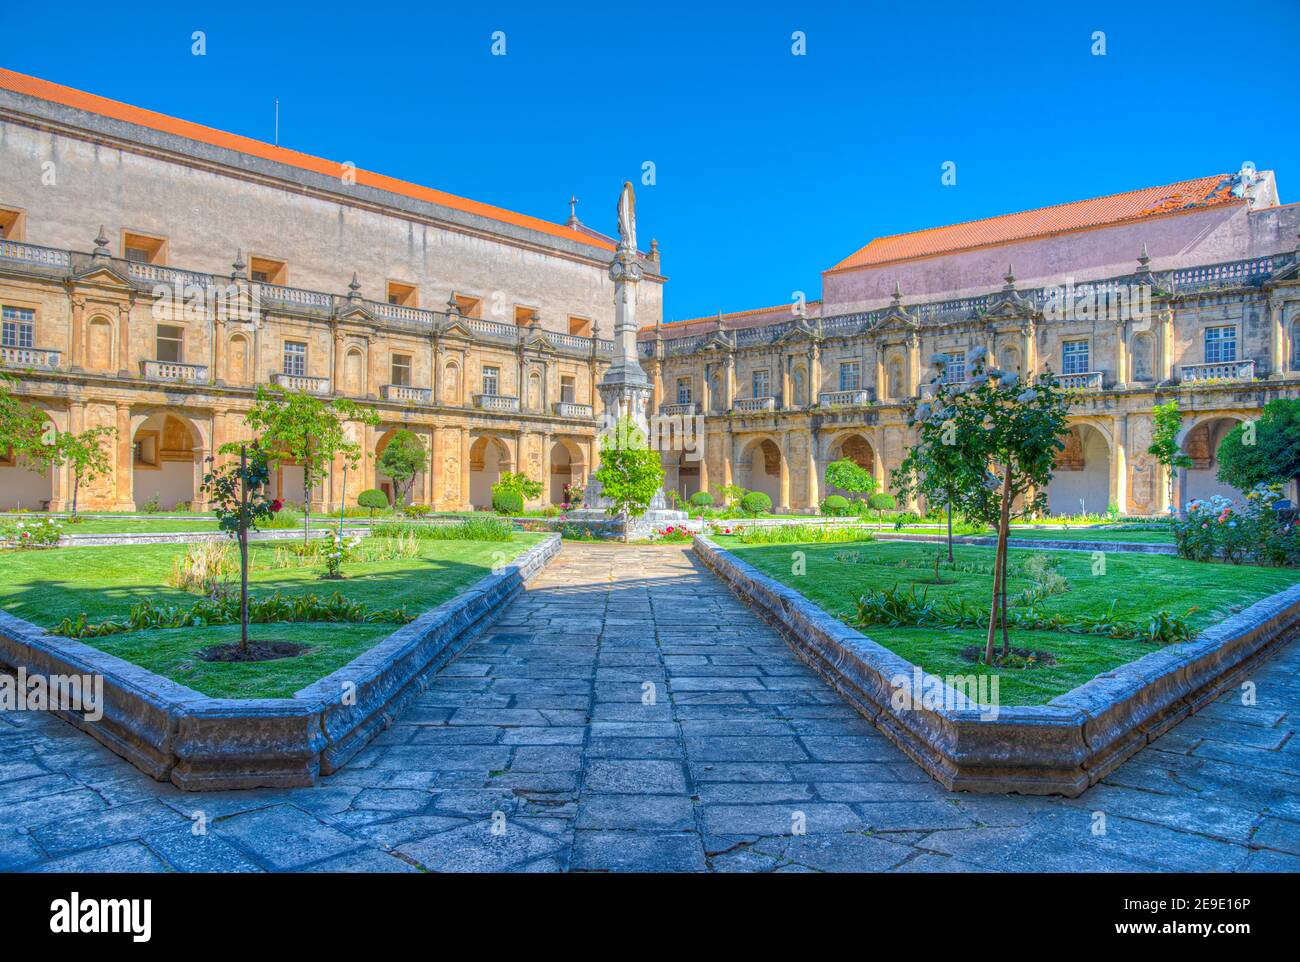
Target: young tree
84,453
403,458
1166,422
847,475
630,472
1264,451
300,427
23,428
1004,439
237,492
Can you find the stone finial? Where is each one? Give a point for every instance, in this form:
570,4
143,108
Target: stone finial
101,243
654,250
1144,260
718,324
453,306
573,211
238,267
1010,278
354,288
534,320
898,295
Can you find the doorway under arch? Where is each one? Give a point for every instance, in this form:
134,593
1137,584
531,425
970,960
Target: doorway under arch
167,461
489,458
760,468
1081,478
1201,444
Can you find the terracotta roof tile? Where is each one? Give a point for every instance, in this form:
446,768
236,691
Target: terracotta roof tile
70,97
1078,215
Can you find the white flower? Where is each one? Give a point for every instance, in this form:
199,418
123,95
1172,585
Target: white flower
976,354
938,360
1026,396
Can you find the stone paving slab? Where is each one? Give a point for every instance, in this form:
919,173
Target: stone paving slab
628,713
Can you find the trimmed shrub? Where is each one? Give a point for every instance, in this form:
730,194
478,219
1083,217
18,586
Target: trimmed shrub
415,510
702,499
882,502
507,502
836,506
373,499
756,503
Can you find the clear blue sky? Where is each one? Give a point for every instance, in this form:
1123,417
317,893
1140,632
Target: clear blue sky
770,167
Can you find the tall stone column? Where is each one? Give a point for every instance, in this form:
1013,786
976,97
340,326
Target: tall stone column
1276,338
1119,463
1164,345
784,506
1121,354
123,476
814,374
464,469
914,364
814,473
124,338
76,334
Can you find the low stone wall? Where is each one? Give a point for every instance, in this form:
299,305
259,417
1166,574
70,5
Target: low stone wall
199,743
1046,544
1062,747
191,537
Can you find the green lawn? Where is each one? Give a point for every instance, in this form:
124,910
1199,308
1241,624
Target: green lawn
1141,585
1028,533
46,586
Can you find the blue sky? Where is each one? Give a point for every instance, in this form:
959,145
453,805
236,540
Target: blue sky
769,167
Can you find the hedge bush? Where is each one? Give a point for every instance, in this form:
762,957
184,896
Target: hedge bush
756,503
507,502
836,505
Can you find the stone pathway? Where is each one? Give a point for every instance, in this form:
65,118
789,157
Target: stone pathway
627,712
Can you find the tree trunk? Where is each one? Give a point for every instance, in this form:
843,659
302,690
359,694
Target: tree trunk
306,500
1004,533
76,481
998,587
243,550
950,531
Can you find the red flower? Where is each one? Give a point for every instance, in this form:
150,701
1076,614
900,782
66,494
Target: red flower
276,505
668,530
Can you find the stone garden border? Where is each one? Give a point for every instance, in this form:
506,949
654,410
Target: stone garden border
1062,747
174,733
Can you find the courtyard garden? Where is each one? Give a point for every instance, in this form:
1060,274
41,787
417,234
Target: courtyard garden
388,579
1101,616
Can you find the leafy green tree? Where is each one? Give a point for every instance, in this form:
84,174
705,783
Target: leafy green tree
300,427
237,493
84,454
1004,439
880,503
374,499
629,473
1264,451
756,503
403,458
1166,422
847,475
23,428
731,494
516,482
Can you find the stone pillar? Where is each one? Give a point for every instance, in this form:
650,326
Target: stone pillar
1121,354
1276,338
706,395
464,468
336,368
124,339
882,386
1028,354
76,334
548,442
814,374
124,474
729,382
1164,346
914,364
372,368
784,506
437,459
1119,463
218,335
814,472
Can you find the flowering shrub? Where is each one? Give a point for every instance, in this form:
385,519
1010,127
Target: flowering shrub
41,533
674,535
338,550
1253,532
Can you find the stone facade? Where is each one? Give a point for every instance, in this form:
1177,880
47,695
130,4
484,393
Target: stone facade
221,264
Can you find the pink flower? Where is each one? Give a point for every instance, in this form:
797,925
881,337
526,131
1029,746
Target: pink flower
668,530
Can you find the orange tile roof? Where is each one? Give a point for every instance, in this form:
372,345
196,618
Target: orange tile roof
750,318
70,97
1078,215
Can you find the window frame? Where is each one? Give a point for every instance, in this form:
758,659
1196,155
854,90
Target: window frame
153,246
686,396
763,374
569,386
277,277
855,367
955,361
494,377
1219,343
396,362
1068,356
288,351
178,340
401,294
19,325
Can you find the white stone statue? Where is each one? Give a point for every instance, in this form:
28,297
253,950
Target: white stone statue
627,218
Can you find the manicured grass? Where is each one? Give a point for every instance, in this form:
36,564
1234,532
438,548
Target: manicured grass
199,522
46,586
1139,585
1034,533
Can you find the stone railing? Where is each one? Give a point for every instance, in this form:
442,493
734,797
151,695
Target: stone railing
170,276
754,405
175,372
404,392
496,402
679,410
33,357
571,409
1219,371
301,382
396,312
32,254
844,399
493,329
1088,381
293,296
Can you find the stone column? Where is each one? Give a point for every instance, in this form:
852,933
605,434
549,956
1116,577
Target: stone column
372,371
464,468
436,462
124,339
1164,346
548,441
814,472
729,382
882,386
814,374
218,335
124,475
1028,356
706,395
76,334
1276,338
1119,463
784,506
914,364
336,367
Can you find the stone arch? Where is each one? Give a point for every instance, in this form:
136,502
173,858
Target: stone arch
568,466
167,459
22,484
682,474
239,359
761,466
386,484
1200,441
100,343
854,446
489,458
1142,361
1081,479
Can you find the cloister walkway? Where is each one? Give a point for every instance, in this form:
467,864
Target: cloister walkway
628,713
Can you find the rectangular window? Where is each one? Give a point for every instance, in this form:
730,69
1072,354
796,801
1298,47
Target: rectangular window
567,389
401,369
468,306
762,383
11,224
143,249
684,390
19,328
295,358
1220,345
491,380
169,344
524,315
580,326
403,295
1074,357
850,375
954,368
264,270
